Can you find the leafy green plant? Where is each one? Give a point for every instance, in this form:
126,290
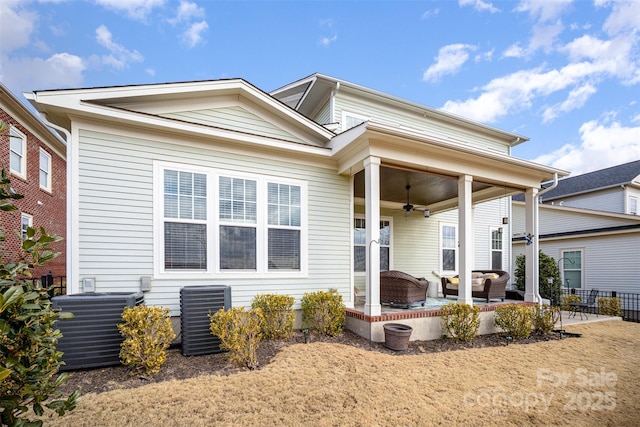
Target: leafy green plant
516,320
277,315
29,360
239,333
323,312
547,268
460,321
610,306
544,318
147,334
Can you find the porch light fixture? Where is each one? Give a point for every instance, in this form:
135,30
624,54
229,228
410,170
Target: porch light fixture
427,213
505,219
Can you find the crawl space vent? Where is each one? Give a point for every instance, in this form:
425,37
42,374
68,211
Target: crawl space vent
91,338
196,302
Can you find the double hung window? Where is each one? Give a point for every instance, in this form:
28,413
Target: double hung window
449,248
18,152
360,246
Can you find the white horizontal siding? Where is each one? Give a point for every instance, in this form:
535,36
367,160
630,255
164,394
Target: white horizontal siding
610,200
116,241
234,118
410,120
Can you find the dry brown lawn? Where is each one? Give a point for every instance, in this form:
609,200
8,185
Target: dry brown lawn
591,381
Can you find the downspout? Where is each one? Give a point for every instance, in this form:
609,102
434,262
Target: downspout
71,288
536,235
332,103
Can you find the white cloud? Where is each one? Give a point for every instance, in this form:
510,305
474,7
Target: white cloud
479,5
187,12
429,13
576,99
16,27
326,41
624,17
134,9
119,56
602,145
57,71
545,35
193,35
449,61
544,10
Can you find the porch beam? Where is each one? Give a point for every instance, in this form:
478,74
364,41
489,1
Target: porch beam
372,305
531,280
465,225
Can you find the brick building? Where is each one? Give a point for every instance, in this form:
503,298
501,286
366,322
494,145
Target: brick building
36,160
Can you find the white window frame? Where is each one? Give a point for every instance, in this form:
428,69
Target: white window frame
47,184
15,133
441,247
633,206
563,253
492,250
346,115
213,225
26,220
390,246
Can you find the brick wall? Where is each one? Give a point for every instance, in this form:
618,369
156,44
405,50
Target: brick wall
48,209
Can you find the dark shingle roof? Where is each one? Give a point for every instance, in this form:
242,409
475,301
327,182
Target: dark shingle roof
596,180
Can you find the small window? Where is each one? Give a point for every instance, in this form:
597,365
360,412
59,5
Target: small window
449,247
633,205
18,156
350,120
45,170
496,249
571,269
360,247
26,222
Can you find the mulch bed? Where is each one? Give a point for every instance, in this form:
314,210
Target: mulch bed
179,367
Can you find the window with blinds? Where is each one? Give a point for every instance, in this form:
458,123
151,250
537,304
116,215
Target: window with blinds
185,216
238,221
360,247
284,210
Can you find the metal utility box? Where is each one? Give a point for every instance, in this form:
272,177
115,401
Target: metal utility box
196,302
91,338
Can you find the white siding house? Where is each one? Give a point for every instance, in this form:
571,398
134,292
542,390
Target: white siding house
218,182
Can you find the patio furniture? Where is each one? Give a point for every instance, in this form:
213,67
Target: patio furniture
583,307
398,288
486,284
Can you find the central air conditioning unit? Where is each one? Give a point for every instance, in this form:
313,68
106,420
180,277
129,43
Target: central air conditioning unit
91,338
196,303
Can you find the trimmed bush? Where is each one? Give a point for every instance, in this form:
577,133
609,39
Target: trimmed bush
610,306
516,320
277,315
544,319
323,312
460,321
239,333
147,334
566,299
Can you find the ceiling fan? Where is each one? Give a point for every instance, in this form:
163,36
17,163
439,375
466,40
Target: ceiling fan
409,207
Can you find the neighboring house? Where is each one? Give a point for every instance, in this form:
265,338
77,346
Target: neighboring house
302,189
35,159
590,224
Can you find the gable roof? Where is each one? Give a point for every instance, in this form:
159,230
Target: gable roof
625,174
27,118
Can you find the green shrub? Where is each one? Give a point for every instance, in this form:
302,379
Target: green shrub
460,321
239,333
516,320
544,318
567,299
323,312
29,360
147,334
547,267
277,315
610,306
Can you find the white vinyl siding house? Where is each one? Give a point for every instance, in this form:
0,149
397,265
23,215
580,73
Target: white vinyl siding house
606,243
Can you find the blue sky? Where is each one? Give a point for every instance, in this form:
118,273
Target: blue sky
566,74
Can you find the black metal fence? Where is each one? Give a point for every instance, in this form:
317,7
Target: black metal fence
55,285
630,302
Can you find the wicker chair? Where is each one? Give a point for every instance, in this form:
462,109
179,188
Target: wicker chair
398,288
492,288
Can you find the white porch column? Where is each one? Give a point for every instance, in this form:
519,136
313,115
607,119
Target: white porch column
531,281
465,225
372,305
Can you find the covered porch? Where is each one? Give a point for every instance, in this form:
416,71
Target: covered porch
412,176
